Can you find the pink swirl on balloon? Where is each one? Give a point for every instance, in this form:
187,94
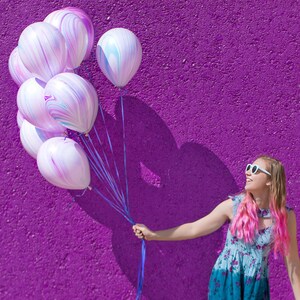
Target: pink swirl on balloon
42,49
74,32
31,104
73,102
17,70
63,163
119,55
88,25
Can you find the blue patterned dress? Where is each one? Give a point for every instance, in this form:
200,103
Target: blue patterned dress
241,270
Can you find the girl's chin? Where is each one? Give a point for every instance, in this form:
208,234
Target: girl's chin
248,188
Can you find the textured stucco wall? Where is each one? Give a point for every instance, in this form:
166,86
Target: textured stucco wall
218,85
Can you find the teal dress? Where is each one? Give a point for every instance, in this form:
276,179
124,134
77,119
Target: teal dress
241,270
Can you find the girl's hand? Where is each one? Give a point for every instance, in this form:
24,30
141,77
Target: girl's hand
143,232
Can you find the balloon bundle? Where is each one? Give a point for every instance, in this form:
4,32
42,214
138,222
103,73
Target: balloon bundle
54,103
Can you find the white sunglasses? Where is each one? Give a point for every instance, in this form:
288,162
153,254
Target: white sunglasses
255,168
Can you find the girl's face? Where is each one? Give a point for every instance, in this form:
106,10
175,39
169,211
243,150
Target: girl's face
260,181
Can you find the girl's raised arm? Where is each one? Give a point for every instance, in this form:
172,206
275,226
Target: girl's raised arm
201,227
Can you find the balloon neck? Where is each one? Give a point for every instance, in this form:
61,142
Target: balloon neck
89,187
122,91
68,69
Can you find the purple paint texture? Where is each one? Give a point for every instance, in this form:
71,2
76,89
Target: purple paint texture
218,85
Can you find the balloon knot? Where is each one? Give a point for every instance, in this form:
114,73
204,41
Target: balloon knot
48,98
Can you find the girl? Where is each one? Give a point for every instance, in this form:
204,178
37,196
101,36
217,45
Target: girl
259,220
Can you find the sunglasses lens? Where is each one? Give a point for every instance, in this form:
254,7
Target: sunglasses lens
254,169
248,167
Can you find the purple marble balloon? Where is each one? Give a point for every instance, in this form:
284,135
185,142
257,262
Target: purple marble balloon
74,32
63,163
119,55
32,138
31,104
88,25
42,49
72,101
17,70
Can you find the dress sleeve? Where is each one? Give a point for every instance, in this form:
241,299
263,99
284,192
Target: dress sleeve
289,208
237,199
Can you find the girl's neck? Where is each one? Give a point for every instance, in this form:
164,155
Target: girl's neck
261,199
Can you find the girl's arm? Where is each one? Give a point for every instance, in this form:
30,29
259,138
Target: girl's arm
292,259
201,227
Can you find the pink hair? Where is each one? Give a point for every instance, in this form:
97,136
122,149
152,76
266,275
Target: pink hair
281,235
245,224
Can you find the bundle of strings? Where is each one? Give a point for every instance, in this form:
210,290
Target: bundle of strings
113,194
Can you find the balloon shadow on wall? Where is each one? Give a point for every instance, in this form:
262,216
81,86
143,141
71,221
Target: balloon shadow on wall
167,187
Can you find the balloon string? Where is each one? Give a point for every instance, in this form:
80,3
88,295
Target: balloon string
80,195
141,268
77,196
124,200
102,148
108,201
107,133
100,171
119,190
98,161
97,168
111,178
122,212
141,271
124,149
92,157
109,143
111,148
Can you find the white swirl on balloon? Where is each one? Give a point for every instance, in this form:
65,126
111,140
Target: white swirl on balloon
17,70
63,163
88,25
42,49
31,104
74,32
32,138
72,101
20,119
119,55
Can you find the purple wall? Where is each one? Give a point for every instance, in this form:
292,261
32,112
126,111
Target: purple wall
218,85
